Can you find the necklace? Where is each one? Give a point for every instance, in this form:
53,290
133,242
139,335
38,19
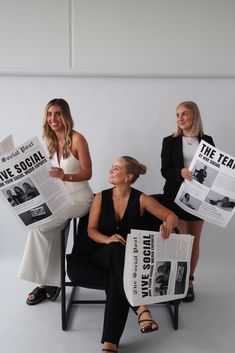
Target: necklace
190,140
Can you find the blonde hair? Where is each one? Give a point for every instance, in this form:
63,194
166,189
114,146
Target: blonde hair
197,128
50,136
134,167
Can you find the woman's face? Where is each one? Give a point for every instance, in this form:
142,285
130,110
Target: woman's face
118,172
54,118
184,118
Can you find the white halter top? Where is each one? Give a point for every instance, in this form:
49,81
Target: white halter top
70,165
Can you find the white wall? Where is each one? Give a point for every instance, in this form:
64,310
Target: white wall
123,66
118,36
118,116
176,36
34,34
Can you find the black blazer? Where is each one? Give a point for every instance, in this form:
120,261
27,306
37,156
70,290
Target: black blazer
173,161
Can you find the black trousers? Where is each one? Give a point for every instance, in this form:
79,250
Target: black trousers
111,257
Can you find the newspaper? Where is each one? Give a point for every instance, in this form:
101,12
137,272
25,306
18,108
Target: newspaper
7,145
156,269
26,187
211,193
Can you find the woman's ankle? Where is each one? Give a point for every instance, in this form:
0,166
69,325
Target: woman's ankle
109,345
141,308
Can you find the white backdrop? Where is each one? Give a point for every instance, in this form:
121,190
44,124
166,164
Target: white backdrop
128,115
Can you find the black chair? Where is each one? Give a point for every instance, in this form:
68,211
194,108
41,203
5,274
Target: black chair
80,269
83,273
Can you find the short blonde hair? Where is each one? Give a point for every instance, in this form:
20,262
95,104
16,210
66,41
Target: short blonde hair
197,128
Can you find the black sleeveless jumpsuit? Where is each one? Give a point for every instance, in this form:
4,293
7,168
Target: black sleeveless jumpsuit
111,257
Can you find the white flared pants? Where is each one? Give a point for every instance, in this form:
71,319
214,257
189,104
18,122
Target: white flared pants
41,259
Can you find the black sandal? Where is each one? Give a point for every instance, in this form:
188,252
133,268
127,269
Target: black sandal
52,292
190,296
39,295
149,327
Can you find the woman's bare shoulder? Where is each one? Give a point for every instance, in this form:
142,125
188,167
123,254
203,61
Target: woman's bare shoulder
77,136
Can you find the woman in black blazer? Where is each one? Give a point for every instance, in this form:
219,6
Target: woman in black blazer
177,152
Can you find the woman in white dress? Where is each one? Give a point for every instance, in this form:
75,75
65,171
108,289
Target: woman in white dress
70,158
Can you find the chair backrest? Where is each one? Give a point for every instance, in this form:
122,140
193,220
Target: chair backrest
83,245
80,268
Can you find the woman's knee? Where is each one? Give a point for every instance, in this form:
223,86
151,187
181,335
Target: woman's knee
116,247
117,252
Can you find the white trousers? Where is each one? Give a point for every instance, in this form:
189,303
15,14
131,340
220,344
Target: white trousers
41,259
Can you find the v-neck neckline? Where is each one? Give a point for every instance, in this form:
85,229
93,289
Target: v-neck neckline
118,221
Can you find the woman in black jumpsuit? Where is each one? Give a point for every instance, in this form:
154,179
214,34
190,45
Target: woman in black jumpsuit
113,214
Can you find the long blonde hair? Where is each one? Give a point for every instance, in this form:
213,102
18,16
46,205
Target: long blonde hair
50,136
134,167
197,128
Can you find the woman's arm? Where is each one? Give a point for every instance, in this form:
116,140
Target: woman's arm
93,222
170,220
80,150
169,169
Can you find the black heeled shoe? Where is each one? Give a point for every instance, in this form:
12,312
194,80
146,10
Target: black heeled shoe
150,326
190,296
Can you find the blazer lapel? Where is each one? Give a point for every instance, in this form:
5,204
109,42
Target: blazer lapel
178,150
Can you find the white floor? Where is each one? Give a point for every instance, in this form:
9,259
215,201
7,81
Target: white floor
206,325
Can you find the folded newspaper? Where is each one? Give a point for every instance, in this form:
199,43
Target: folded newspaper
25,185
156,269
211,193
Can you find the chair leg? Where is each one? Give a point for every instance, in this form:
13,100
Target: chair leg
63,274
63,307
173,309
66,308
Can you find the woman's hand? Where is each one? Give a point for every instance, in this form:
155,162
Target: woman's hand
165,230
186,174
116,238
57,173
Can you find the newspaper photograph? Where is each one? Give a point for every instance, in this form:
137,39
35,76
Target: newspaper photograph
26,187
211,193
156,269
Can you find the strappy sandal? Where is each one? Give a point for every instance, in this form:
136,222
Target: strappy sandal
190,296
52,292
148,327
39,295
